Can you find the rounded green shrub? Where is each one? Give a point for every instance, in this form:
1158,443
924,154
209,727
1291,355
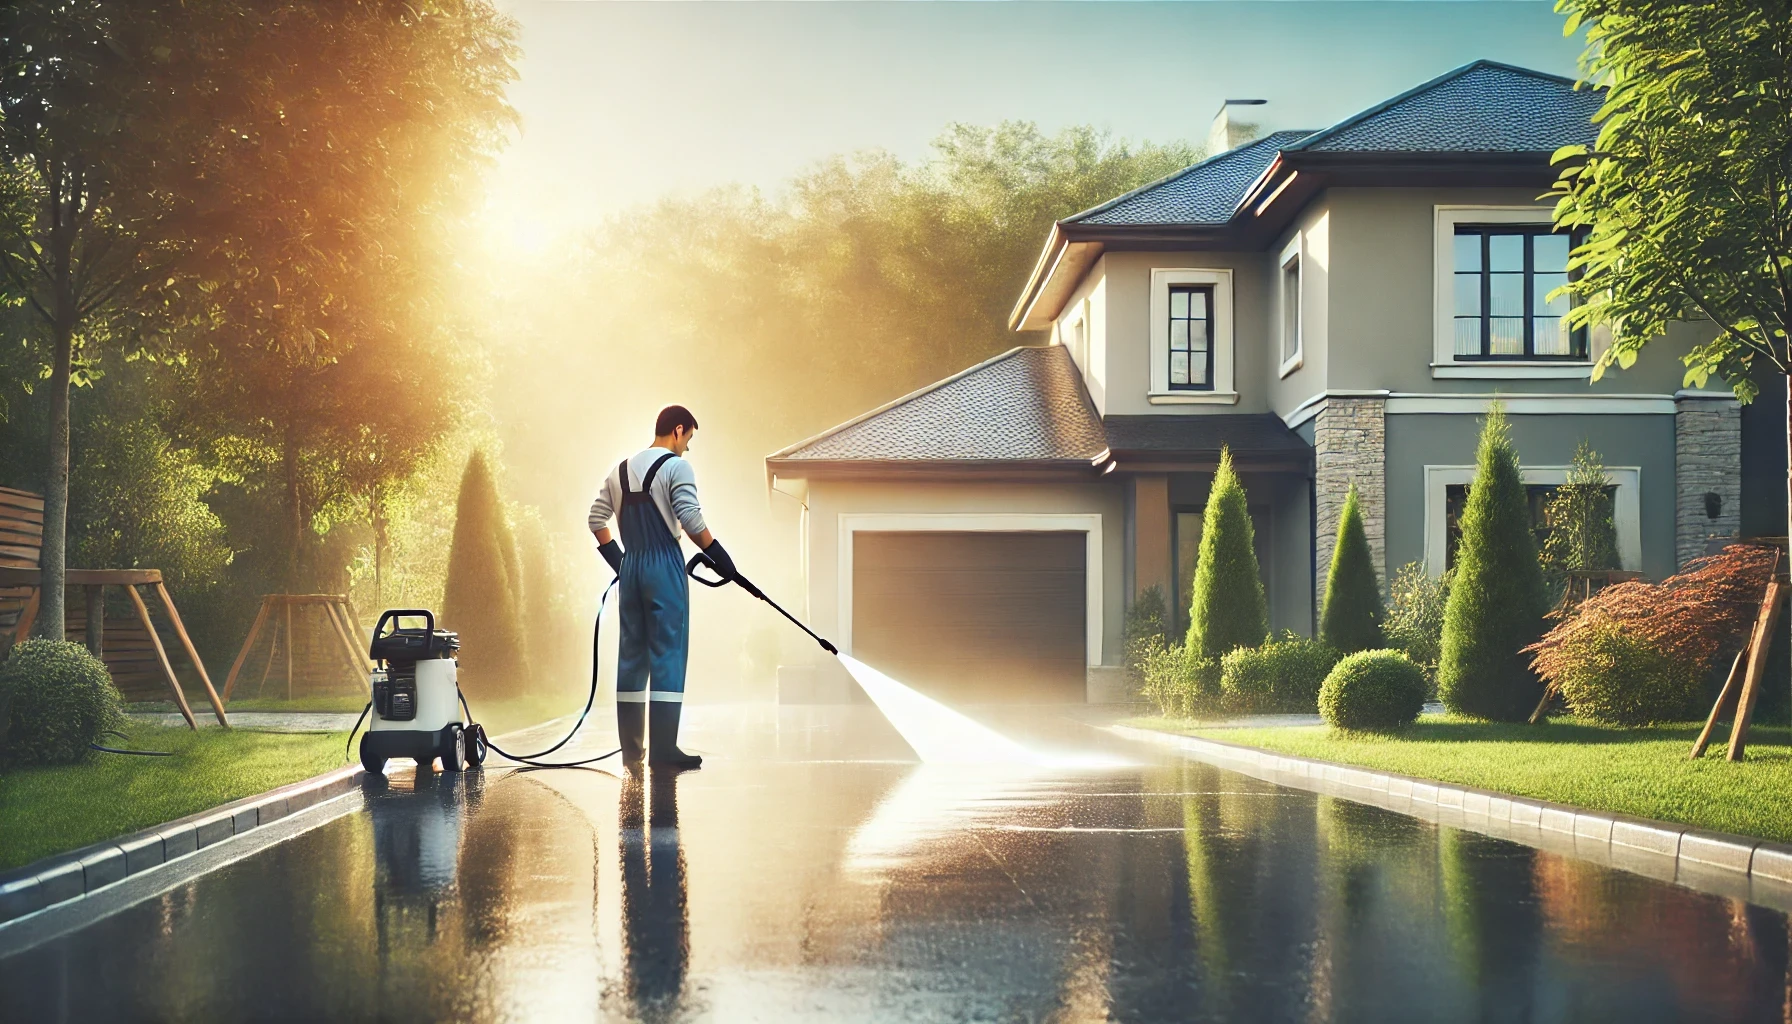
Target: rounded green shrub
1376,691
60,699
1283,675
1613,677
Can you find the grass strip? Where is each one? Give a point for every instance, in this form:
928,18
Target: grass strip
49,810
1643,773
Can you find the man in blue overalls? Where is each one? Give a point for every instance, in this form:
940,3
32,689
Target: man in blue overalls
654,493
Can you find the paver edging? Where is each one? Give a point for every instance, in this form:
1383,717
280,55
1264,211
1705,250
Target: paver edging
1698,858
50,880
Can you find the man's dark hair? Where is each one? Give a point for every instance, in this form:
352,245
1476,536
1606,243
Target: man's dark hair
671,418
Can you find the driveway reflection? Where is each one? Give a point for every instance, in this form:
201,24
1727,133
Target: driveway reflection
655,915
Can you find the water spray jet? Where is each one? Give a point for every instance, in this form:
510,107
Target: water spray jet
936,733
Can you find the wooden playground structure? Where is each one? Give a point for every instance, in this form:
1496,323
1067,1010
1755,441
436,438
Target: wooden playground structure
340,637
132,649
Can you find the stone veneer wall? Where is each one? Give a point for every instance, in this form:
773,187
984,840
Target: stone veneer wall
1350,442
1707,460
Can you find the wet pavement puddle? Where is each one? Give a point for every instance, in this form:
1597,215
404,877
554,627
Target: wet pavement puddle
811,871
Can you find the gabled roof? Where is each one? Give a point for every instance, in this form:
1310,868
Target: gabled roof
1484,124
1206,193
1025,408
1484,107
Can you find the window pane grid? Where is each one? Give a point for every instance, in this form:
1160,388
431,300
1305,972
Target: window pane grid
1503,279
1191,338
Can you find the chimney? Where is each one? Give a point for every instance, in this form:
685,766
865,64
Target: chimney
1228,132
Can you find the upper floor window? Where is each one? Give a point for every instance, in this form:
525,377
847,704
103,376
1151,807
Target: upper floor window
1290,298
1191,338
1503,276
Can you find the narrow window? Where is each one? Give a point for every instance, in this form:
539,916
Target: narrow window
1191,338
1504,275
1291,308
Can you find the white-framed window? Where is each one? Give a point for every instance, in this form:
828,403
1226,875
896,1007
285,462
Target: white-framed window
1074,334
1289,295
1446,489
1191,337
1494,269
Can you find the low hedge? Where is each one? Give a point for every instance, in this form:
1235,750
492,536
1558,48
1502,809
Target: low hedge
1373,691
1180,683
59,700
1282,675
1611,676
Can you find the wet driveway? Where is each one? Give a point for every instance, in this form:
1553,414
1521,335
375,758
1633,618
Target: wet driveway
812,872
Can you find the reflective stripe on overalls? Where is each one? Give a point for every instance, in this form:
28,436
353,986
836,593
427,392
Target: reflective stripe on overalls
655,599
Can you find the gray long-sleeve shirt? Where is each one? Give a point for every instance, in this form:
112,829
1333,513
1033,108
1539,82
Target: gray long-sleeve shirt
674,493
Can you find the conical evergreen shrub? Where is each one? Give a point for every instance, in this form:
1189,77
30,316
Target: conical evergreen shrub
1497,600
1226,609
480,599
1353,614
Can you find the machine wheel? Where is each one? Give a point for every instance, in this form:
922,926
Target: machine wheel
474,737
451,761
375,764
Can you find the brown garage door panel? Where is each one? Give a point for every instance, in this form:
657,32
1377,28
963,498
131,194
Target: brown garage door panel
973,616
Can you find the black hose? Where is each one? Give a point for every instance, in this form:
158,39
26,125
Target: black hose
590,700
139,753
362,717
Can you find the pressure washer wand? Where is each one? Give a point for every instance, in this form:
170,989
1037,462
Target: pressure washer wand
700,560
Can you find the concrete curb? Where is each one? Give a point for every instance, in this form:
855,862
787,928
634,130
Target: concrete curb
67,876
1726,865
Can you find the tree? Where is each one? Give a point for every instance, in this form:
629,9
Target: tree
1352,618
918,261
94,178
1582,536
481,599
1497,599
1686,196
1227,608
325,356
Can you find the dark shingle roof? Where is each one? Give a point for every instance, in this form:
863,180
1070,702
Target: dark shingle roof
1484,107
1026,405
1247,434
1206,193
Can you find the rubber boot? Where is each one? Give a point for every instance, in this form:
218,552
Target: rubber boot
662,736
630,721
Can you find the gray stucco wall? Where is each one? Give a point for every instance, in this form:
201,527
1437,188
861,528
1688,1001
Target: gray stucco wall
1313,226
1380,327
1127,308
1416,440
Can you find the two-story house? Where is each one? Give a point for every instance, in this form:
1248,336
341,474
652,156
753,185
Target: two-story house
1333,306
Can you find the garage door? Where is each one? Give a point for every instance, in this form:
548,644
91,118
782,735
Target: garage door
973,617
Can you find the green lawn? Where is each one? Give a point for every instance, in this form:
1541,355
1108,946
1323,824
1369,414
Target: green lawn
48,810
1641,772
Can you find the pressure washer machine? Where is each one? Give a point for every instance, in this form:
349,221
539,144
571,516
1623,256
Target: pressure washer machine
416,697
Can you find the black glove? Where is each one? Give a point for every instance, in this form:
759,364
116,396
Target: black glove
718,556
612,553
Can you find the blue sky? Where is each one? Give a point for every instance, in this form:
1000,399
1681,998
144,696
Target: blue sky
623,102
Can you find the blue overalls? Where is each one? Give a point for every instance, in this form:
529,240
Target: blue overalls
654,600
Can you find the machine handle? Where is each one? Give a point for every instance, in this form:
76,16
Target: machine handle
392,615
